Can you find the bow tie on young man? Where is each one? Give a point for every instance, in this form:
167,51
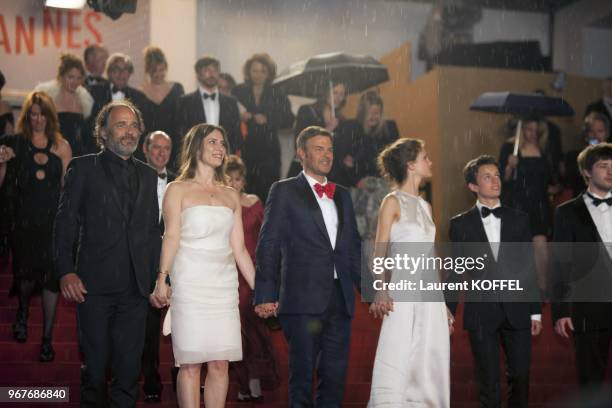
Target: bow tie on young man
212,96
114,89
162,176
597,201
485,212
328,189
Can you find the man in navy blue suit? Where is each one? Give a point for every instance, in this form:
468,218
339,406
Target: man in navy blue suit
308,259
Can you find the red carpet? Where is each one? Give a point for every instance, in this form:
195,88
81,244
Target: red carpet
552,373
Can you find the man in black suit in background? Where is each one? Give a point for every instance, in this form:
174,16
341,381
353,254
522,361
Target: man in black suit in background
119,69
157,148
487,319
95,57
109,203
207,105
586,222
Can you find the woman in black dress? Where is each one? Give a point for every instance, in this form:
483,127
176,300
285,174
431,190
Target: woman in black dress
527,178
267,111
34,161
161,93
72,102
358,142
320,114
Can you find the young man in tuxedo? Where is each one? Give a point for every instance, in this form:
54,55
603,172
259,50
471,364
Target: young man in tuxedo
109,206
586,221
308,260
487,319
207,105
157,147
119,69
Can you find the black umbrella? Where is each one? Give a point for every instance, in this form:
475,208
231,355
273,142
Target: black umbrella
358,72
522,104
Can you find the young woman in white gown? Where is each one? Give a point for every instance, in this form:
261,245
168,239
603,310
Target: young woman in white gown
412,363
203,241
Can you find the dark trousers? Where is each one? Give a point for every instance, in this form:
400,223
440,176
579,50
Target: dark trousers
111,329
321,343
150,354
592,349
516,343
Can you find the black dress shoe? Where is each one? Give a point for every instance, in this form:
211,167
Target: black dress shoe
46,351
152,398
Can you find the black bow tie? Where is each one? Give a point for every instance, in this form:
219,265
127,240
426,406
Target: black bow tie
212,96
114,89
486,211
597,201
162,176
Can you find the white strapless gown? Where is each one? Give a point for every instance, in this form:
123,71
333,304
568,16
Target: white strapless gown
412,363
204,316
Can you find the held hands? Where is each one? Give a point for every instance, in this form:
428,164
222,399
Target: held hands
6,154
161,295
265,310
72,288
382,306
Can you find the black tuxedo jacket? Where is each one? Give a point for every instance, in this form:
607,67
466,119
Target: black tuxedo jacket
295,259
190,112
586,260
513,262
90,207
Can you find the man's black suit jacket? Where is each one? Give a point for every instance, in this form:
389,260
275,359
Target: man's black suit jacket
513,261
190,112
89,206
582,257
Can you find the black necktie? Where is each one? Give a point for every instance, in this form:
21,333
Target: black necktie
486,211
162,176
212,96
597,201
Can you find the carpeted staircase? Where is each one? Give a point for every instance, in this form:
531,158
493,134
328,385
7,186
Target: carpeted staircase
552,373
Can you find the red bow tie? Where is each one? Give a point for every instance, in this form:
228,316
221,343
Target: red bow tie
328,189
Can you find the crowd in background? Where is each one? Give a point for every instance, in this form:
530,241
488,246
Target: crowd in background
57,122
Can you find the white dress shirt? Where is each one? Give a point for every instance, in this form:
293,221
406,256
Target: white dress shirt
602,218
116,96
492,227
211,107
161,190
330,213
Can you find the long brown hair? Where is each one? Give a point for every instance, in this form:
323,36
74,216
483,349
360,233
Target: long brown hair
47,109
192,149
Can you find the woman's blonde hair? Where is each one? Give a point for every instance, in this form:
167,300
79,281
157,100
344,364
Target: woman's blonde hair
47,109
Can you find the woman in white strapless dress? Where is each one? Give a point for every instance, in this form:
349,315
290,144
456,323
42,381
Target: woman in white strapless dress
412,363
203,241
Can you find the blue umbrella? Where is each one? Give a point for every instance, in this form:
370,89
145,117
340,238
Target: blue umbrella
522,104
